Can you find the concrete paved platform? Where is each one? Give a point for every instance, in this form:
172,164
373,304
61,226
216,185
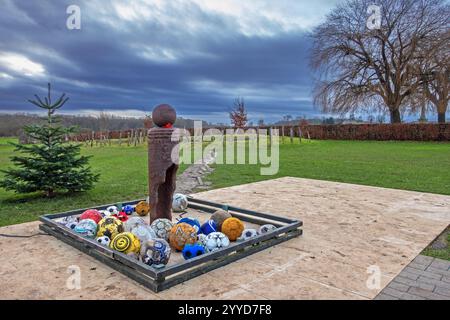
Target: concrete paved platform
347,229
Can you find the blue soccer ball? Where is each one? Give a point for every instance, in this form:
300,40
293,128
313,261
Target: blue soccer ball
128,209
208,227
193,250
192,222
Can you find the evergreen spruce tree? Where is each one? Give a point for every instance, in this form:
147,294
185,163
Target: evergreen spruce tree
49,165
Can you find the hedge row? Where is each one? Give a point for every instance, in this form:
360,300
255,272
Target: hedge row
407,131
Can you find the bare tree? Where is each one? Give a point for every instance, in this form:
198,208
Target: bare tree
238,114
364,67
434,69
104,120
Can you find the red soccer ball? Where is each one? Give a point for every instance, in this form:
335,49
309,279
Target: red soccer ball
122,216
92,214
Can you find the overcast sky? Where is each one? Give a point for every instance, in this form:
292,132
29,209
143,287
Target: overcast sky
129,56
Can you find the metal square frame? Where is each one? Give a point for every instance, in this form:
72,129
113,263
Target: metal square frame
158,279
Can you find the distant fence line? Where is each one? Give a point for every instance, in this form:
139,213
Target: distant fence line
380,132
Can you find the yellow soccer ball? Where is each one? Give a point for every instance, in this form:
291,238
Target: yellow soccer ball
142,208
110,227
126,243
232,228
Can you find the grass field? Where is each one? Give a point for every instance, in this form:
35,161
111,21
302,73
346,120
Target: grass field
418,166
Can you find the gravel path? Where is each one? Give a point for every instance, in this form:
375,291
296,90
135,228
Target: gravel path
192,179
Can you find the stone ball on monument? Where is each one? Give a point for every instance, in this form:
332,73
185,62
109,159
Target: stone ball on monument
164,116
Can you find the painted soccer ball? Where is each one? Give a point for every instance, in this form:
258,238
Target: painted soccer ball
69,219
104,241
112,210
219,217
193,250
266,228
110,227
87,228
182,234
179,202
216,241
232,228
91,214
201,238
122,216
192,222
133,222
155,252
248,234
128,209
142,208
162,228
126,243
144,233
208,227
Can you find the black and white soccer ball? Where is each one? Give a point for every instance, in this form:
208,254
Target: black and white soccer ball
105,213
215,241
113,210
248,234
103,240
266,228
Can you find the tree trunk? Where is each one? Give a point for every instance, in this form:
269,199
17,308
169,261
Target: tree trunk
50,193
441,117
395,116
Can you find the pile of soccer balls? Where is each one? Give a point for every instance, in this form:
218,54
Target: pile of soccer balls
120,230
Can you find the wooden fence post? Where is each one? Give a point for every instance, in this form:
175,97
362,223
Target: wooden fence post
300,134
291,133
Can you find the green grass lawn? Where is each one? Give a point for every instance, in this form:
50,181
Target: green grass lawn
419,166
444,251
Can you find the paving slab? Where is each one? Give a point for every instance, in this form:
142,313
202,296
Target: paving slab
349,231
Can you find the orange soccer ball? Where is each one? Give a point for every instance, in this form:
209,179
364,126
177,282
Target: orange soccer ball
232,228
182,234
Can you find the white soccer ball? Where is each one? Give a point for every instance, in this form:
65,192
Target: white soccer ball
266,228
215,241
162,228
179,202
144,233
134,222
104,241
105,213
248,234
113,210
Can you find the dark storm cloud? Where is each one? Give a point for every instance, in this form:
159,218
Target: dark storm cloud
197,60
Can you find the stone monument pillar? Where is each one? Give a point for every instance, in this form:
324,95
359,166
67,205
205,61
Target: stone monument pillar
162,162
